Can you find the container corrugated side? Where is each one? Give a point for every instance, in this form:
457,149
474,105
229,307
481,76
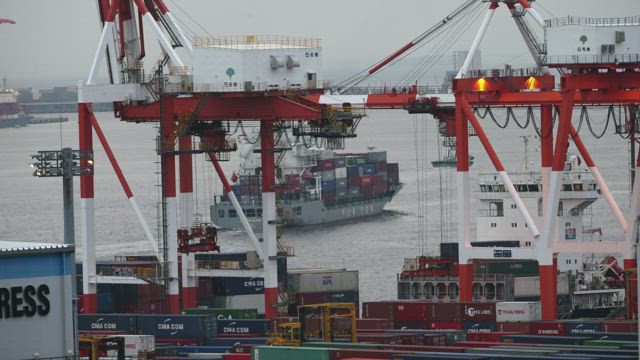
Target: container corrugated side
107,323
221,314
515,311
323,282
289,353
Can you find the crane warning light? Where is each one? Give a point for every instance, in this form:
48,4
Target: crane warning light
532,83
481,85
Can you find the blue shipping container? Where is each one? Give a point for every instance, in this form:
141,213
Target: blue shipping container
329,186
239,256
478,326
105,303
583,327
175,327
347,297
238,286
368,169
102,323
353,171
235,328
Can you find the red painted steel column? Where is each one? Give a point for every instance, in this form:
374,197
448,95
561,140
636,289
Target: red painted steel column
87,217
465,269
546,148
548,291
169,195
269,219
186,219
544,249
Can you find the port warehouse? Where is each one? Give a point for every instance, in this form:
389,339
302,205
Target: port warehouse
36,300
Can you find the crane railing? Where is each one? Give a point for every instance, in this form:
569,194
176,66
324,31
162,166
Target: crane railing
584,21
256,42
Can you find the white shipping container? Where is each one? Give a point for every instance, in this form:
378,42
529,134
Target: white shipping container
253,301
318,282
529,286
341,173
134,344
518,311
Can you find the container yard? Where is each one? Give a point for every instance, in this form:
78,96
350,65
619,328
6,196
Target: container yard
535,262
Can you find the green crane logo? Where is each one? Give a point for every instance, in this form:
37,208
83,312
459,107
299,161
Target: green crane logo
584,39
230,72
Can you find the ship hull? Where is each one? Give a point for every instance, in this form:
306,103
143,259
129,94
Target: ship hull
304,213
19,121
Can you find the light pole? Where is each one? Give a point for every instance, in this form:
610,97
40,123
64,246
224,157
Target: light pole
66,163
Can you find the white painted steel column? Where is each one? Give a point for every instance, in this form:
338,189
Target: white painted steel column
536,16
88,238
236,205
519,203
604,189
164,42
269,219
183,38
477,40
245,224
102,46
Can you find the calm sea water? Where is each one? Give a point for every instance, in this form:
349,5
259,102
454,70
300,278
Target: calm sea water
31,208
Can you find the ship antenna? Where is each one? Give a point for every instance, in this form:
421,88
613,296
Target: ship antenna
371,146
525,140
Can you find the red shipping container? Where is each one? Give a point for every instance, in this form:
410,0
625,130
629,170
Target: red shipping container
353,181
326,164
411,324
366,190
328,196
445,326
381,166
514,327
479,312
548,328
238,356
445,312
373,324
292,179
613,326
312,298
488,336
411,310
366,180
378,310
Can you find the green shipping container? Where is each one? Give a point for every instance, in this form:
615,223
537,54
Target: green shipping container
356,160
515,268
359,346
609,343
289,353
223,314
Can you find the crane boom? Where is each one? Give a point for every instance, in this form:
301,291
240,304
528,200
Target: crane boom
424,36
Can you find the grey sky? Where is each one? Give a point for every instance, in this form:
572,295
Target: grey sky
53,42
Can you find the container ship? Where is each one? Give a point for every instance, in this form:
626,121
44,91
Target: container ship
316,186
589,284
11,113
